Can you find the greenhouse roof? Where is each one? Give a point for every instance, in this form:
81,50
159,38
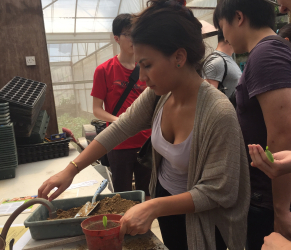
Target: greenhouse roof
77,28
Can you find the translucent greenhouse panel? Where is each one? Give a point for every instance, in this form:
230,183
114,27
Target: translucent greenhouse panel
82,98
91,47
45,2
87,8
89,100
64,96
61,74
64,8
94,25
59,25
82,49
78,71
108,8
75,59
60,52
131,6
206,15
105,54
211,44
90,65
75,49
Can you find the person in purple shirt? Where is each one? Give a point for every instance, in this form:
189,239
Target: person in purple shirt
263,108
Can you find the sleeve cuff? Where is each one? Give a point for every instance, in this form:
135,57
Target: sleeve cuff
201,201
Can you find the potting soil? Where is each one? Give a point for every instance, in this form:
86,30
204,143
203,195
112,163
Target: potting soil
99,225
141,244
114,205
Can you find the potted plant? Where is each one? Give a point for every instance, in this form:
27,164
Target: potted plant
102,232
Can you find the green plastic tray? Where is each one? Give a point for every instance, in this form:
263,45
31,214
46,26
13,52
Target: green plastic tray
41,228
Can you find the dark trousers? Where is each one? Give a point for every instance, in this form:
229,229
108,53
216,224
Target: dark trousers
123,164
260,224
173,228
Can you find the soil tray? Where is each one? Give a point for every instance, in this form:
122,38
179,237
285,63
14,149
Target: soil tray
41,228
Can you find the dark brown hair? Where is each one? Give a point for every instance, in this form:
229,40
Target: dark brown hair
168,26
260,13
285,31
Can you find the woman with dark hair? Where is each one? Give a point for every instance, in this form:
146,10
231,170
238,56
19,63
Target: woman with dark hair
200,179
285,32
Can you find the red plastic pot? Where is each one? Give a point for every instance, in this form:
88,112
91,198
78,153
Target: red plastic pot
103,239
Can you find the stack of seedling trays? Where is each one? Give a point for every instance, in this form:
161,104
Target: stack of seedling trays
43,151
25,98
38,131
8,155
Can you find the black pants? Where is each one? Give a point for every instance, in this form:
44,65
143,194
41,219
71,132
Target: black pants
173,228
123,164
260,224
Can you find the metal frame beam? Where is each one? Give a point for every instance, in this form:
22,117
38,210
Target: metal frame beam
87,37
49,4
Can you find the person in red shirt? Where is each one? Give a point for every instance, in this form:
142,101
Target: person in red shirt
110,80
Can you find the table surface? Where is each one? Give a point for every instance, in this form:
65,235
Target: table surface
30,176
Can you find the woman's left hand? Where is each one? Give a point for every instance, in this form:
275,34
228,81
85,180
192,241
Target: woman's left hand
137,220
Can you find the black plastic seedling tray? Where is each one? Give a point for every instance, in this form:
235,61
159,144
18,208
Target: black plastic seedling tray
22,92
7,173
43,151
8,155
38,131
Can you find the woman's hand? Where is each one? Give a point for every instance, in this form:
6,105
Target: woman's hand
276,241
138,219
281,165
61,180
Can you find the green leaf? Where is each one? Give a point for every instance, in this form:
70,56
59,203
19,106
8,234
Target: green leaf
105,221
269,155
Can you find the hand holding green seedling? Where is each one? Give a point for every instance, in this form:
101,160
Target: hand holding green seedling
105,221
273,165
269,155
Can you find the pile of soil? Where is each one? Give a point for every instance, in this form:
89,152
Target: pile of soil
141,244
114,205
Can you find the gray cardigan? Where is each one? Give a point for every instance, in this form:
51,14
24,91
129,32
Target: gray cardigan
218,177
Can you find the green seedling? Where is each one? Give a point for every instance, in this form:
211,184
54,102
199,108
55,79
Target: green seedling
269,155
105,221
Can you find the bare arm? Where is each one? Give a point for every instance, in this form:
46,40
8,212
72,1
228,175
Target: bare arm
63,179
100,113
139,218
213,82
276,107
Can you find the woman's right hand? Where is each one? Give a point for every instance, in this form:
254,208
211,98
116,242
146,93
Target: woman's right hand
276,241
61,180
281,165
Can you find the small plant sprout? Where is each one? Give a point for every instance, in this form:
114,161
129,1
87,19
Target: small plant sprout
269,155
105,221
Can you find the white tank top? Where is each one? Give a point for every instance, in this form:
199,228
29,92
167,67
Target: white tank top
173,172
